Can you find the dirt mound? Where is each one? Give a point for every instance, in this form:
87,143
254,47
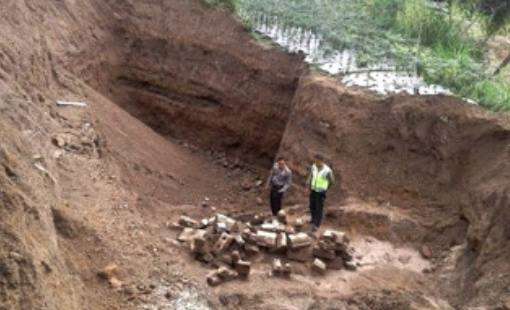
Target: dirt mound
84,187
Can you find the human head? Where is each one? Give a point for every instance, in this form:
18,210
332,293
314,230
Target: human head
281,162
319,160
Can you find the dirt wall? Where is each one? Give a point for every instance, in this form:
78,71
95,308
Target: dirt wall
439,159
188,80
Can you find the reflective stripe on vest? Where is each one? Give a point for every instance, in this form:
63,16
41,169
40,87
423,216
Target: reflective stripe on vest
320,182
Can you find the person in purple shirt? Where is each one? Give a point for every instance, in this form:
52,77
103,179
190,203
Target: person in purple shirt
279,180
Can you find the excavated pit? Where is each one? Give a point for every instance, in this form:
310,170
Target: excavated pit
415,171
407,161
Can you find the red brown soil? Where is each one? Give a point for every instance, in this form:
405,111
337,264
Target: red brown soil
415,170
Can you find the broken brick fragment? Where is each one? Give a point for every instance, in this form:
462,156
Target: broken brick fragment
319,266
242,268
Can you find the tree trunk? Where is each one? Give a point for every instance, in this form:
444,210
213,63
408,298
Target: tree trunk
503,64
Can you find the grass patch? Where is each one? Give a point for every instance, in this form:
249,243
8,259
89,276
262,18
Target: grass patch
446,44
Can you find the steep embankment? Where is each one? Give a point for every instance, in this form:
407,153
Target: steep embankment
193,73
442,161
59,191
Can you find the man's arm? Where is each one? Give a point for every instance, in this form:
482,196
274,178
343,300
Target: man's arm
287,183
309,179
331,177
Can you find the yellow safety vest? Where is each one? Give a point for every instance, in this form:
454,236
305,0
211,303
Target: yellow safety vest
320,182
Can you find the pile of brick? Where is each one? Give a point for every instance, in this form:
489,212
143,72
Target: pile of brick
228,245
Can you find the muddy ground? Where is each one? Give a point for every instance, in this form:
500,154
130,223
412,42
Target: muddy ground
184,107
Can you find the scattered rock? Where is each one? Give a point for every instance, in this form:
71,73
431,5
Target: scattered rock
109,272
319,266
259,201
323,253
299,240
186,221
351,266
223,243
426,252
46,266
115,283
246,185
282,216
243,268
227,274
281,242
213,279
16,256
281,270
225,221
298,225
266,239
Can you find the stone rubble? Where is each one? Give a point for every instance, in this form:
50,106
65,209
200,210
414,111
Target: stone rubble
228,245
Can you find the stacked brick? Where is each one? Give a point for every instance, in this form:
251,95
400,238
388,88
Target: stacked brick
228,245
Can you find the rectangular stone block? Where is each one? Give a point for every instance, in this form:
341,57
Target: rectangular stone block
224,242
300,255
198,245
334,235
243,268
239,240
227,274
227,221
273,227
323,253
280,269
266,239
319,266
281,241
299,240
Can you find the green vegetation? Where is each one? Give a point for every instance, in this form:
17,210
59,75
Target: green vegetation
445,42
231,5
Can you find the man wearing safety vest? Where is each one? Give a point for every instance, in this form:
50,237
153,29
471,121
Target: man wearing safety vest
320,179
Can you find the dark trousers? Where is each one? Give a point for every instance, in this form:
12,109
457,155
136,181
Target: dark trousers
276,200
316,207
